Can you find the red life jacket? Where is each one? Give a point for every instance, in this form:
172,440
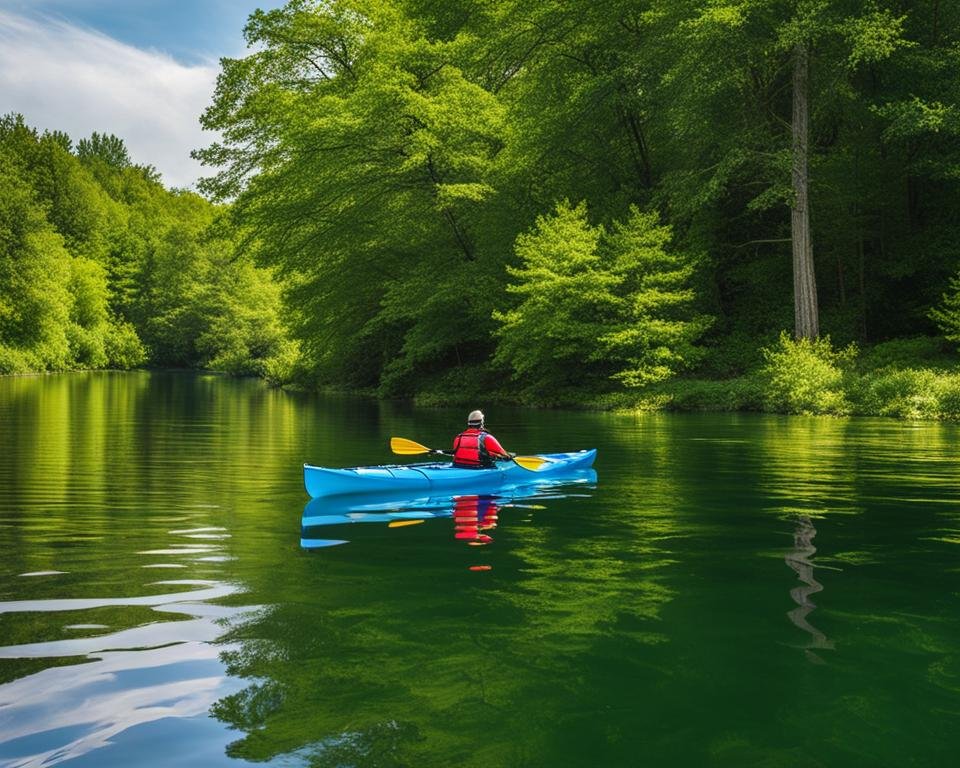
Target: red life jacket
469,450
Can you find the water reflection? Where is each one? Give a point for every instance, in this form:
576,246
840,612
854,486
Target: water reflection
474,515
799,560
596,639
166,669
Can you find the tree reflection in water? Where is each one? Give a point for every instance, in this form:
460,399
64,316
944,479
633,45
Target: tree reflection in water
799,560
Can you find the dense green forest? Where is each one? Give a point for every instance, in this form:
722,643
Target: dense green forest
654,203
100,266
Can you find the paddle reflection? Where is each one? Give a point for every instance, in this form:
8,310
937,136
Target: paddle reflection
474,516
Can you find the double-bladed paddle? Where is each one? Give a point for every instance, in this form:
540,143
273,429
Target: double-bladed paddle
404,447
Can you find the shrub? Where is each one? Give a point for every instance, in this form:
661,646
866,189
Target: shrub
947,315
909,393
123,347
744,393
949,396
236,361
16,361
595,304
904,353
905,393
281,368
805,376
86,347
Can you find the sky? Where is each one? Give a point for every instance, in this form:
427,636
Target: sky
141,69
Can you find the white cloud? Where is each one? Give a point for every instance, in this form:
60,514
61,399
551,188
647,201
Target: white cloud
73,79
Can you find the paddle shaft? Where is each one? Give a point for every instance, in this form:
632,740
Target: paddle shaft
405,447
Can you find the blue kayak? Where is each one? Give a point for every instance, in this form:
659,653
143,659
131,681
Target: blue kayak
439,476
324,513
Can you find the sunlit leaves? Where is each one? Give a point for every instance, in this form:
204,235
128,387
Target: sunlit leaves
101,266
875,36
598,303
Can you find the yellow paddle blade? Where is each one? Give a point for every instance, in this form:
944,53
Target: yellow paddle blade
402,523
406,447
533,463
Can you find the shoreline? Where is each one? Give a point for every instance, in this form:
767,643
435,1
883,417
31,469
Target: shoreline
907,394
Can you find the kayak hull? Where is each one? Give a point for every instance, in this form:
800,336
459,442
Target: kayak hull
438,476
394,508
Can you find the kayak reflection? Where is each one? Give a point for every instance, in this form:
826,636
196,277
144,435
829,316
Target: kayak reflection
474,515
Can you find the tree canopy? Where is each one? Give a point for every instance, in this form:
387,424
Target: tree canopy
546,198
401,161
101,266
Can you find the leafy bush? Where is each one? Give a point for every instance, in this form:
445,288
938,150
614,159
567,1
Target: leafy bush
236,361
947,315
281,367
949,395
597,304
16,361
805,376
904,353
123,347
86,347
744,393
909,393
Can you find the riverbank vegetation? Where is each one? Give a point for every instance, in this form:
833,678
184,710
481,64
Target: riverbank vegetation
615,204
608,203
101,266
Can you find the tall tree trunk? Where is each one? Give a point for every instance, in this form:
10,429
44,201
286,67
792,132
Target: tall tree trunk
806,315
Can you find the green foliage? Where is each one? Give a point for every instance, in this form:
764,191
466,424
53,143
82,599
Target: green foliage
947,315
16,361
34,277
101,266
597,304
123,346
566,303
393,168
108,149
242,334
806,376
282,367
927,351
386,156
359,152
658,325
89,318
910,393
813,378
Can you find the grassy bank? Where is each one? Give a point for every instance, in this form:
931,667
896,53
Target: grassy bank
917,378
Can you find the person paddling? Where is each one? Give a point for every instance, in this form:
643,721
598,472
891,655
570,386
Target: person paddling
475,448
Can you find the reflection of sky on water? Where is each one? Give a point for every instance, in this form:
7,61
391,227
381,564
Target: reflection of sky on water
133,677
147,659
473,513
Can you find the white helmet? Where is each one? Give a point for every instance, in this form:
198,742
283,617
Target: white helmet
475,419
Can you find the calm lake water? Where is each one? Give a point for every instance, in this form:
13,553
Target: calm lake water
733,590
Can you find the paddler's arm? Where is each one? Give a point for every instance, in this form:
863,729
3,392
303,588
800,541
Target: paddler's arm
495,449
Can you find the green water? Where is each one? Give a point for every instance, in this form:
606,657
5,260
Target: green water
735,590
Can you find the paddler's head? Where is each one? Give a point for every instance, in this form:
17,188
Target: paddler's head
475,419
